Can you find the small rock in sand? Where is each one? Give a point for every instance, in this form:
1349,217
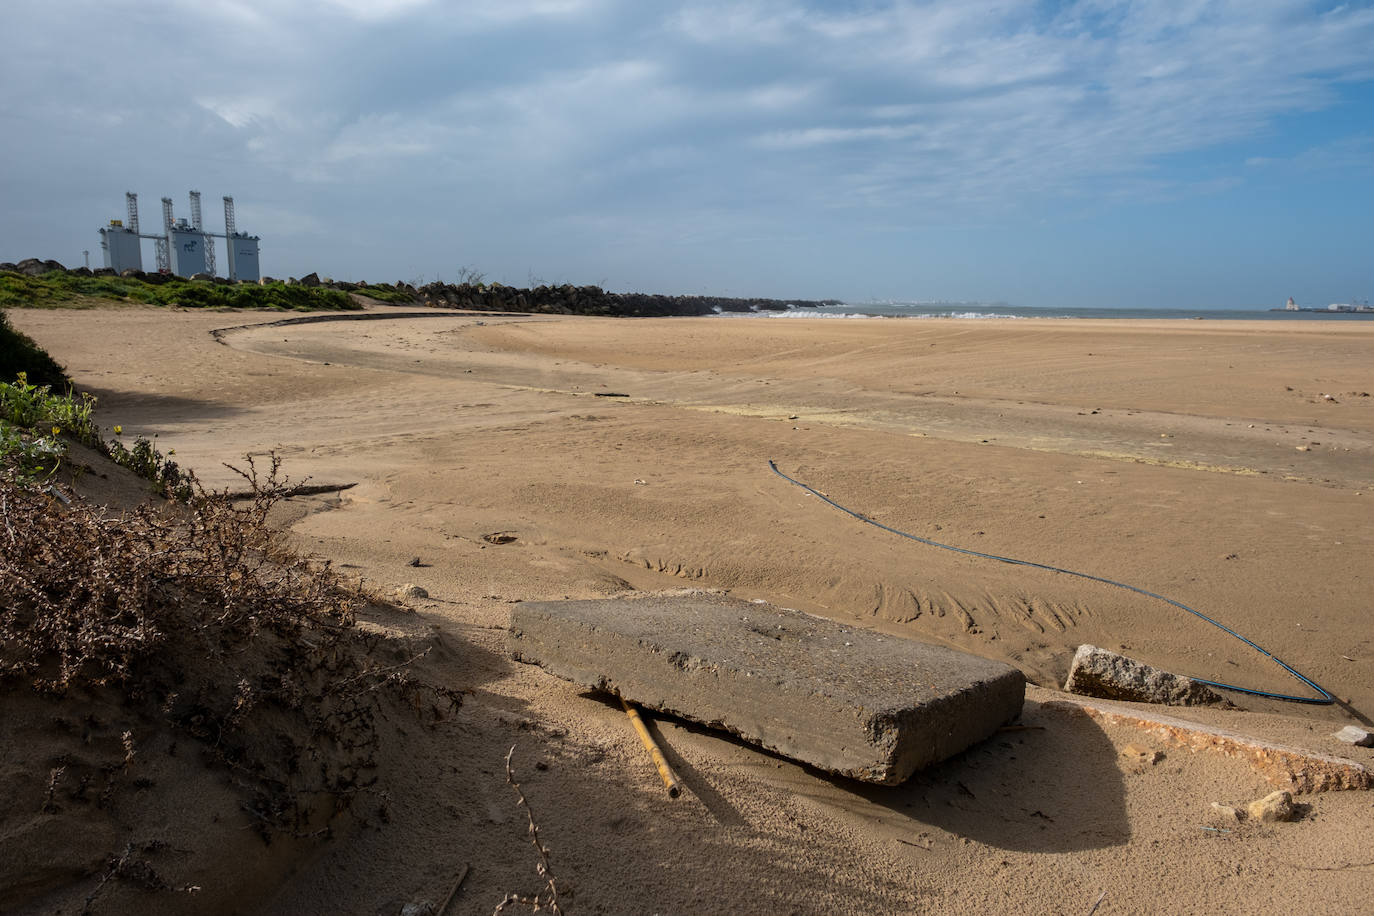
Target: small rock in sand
410,591
1276,806
1139,753
1227,813
1354,735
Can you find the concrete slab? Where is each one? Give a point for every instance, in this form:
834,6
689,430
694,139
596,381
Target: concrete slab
847,700
1291,768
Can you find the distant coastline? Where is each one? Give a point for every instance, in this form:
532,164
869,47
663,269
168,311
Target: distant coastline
1341,310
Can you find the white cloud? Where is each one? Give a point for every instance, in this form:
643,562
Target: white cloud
240,12
761,111
375,10
737,23
243,111
375,139
821,136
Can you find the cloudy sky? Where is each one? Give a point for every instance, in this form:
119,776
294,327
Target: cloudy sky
1175,153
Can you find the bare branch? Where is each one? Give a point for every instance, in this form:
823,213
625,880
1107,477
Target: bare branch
537,901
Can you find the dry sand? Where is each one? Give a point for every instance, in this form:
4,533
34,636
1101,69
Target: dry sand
1201,460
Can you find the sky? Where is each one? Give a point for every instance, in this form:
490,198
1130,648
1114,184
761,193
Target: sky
1104,153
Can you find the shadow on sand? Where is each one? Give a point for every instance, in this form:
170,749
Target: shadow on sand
1052,785
132,408
1049,784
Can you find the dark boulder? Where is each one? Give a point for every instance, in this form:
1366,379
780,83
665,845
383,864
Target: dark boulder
33,267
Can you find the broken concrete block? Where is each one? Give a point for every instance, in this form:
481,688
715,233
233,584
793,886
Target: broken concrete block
1354,735
1292,768
1098,673
840,698
1276,806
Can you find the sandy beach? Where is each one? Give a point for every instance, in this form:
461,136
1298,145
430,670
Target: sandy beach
1226,465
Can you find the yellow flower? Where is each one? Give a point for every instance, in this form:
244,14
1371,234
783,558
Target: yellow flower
57,430
119,430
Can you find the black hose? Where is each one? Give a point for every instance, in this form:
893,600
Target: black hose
1324,700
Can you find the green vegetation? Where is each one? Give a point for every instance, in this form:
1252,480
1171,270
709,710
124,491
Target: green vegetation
18,353
59,289
29,406
34,424
385,294
27,457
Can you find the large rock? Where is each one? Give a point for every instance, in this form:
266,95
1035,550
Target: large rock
846,700
1276,806
33,267
1098,673
1354,735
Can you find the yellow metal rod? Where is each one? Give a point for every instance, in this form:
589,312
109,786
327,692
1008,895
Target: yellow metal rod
664,771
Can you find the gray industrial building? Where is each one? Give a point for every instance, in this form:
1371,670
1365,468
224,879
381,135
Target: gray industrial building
122,247
184,247
243,256
187,247
243,248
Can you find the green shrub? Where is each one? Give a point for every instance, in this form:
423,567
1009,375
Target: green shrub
56,288
30,406
34,423
147,462
28,458
386,294
18,353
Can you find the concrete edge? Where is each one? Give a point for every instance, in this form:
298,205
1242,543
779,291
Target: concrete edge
1290,768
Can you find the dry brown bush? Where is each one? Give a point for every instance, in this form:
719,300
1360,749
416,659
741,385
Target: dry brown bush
204,622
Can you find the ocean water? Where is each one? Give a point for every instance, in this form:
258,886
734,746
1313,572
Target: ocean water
967,311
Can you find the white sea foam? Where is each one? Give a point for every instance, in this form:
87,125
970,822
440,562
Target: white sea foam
972,315
813,313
